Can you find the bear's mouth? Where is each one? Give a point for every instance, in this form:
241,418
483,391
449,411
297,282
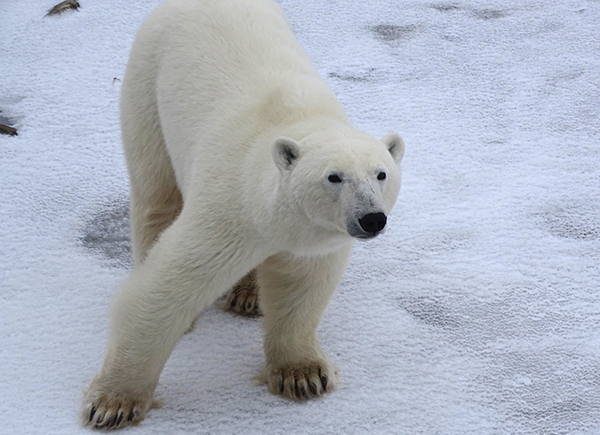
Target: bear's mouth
368,236
357,233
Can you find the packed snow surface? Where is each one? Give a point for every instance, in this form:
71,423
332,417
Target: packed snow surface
477,312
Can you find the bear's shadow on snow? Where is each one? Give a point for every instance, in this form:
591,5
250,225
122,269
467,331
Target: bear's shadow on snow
107,233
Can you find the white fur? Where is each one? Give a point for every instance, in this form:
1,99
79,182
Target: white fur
230,136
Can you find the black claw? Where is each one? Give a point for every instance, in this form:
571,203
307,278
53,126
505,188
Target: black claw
313,387
92,412
303,391
324,382
281,385
130,416
99,420
232,303
110,422
119,419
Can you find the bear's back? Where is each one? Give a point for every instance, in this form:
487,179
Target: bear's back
221,72
241,42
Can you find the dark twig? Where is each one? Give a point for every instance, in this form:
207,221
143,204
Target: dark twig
63,6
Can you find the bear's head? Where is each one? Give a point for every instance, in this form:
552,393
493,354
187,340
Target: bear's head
342,181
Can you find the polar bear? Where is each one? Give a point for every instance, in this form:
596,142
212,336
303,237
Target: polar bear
244,169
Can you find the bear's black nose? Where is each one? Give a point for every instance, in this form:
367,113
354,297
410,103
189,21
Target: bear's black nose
373,222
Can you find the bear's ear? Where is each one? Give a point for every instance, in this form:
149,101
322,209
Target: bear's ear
395,145
285,153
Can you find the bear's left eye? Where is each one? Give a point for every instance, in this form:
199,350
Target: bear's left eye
381,176
334,178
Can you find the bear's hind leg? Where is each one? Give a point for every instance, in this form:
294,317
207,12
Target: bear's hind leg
294,293
156,200
151,214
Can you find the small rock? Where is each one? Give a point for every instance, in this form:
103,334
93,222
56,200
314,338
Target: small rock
5,129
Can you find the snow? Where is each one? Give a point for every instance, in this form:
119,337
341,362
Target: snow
478,312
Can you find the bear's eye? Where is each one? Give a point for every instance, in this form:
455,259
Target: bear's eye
334,178
381,176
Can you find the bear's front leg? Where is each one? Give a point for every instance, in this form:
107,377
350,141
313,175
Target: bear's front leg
149,315
156,305
294,292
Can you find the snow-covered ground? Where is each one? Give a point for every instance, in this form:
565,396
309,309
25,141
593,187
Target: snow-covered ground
478,312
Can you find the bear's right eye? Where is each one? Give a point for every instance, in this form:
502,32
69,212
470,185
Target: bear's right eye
334,178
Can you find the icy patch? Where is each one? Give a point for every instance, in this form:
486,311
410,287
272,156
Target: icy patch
355,77
489,14
445,7
391,34
431,311
4,120
572,220
107,233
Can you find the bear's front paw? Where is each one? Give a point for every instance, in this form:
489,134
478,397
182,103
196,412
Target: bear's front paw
301,381
113,411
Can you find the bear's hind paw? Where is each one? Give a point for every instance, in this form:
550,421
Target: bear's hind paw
243,297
